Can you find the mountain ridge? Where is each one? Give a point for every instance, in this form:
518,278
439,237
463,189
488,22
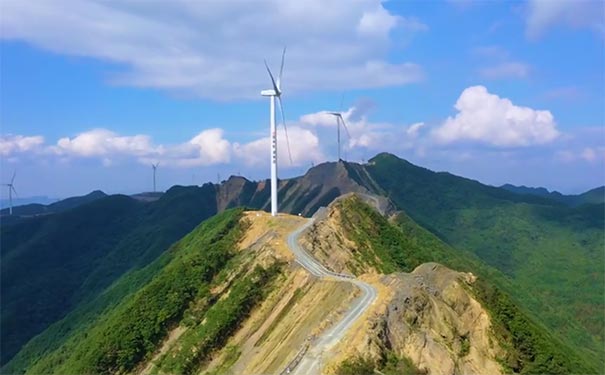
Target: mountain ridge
592,196
232,299
497,226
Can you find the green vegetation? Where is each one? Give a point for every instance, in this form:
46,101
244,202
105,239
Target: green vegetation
356,366
56,264
530,348
390,247
465,346
394,365
64,275
124,335
390,365
551,254
594,196
232,354
403,245
219,322
60,206
83,317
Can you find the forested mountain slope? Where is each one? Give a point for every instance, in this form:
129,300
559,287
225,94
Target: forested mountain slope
551,252
52,263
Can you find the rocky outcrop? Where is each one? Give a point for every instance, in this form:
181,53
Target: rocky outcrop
299,195
428,315
433,319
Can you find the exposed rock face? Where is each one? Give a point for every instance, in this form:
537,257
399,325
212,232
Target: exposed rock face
434,320
239,191
327,242
429,315
300,195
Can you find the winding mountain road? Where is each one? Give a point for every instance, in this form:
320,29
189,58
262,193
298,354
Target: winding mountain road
311,362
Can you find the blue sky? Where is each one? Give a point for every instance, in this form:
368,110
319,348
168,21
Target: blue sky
92,92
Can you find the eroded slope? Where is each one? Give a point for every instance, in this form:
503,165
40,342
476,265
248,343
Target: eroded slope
438,319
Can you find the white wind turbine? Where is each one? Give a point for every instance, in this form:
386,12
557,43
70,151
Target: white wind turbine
340,120
155,167
11,189
273,93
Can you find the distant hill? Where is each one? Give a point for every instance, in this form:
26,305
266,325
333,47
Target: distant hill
60,206
18,201
593,196
148,196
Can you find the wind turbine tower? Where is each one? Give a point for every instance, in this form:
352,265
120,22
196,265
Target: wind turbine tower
339,120
11,189
274,93
155,167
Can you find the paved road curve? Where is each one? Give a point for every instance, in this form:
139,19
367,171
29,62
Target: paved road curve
311,363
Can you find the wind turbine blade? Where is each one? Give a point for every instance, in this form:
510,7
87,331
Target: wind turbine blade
13,179
272,79
13,188
345,126
281,68
283,117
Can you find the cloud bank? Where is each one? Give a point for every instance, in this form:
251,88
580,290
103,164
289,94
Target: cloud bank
194,51
484,125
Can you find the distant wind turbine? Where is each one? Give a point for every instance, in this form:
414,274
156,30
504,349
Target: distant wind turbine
339,120
155,167
273,93
11,189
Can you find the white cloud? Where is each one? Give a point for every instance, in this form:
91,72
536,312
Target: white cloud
323,118
486,118
215,49
589,154
11,144
509,69
414,129
376,22
304,147
207,148
567,93
412,24
544,14
500,65
586,154
365,134
103,142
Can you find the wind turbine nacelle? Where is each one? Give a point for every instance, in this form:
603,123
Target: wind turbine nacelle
268,93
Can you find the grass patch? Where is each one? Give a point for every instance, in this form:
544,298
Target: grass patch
231,356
